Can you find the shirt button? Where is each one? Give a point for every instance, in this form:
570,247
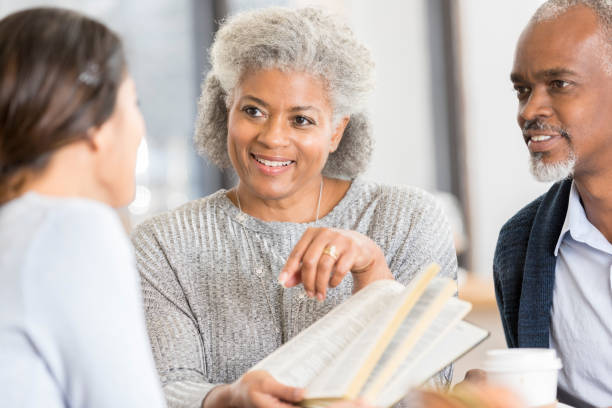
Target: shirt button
259,272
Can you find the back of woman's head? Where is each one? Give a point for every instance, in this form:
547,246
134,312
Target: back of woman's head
59,76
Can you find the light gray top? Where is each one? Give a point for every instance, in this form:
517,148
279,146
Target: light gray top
72,330
581,315
209,275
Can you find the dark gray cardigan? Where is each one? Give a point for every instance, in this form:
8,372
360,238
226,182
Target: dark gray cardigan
524,273
524,267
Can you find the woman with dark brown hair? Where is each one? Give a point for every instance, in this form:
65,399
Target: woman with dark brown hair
72,331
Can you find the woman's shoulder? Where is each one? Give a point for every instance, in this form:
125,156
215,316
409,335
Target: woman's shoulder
403,198
183,221
65,234
63,217
56,238
93,225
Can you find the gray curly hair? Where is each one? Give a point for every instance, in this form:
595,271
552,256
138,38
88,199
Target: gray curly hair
304,40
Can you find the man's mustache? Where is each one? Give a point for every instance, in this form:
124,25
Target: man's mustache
536,124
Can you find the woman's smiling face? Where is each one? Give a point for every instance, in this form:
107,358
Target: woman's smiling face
280,132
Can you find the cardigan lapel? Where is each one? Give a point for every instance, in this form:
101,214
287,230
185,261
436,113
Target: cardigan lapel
539,269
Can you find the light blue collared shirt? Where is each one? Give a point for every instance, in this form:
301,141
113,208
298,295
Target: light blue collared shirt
581,315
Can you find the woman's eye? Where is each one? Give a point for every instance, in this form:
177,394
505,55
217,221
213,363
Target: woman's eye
252,111
302,121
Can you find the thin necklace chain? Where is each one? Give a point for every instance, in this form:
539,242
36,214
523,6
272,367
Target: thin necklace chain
276,256
318,201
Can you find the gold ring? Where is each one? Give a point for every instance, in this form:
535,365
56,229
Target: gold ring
331,251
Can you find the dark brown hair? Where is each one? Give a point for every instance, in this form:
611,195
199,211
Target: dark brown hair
59,76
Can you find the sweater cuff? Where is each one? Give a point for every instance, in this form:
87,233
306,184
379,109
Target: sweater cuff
186,394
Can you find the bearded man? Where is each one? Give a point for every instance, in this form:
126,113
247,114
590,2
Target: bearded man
553,262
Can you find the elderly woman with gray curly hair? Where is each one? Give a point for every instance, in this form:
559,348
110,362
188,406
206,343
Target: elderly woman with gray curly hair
230,277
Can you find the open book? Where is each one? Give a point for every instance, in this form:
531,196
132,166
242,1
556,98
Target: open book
379,343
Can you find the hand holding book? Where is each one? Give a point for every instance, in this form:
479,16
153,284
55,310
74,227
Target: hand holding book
324,256
253,390
378,344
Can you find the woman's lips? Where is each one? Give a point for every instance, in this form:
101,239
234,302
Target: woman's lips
272,165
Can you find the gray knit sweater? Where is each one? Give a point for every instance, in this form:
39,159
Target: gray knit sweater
209,275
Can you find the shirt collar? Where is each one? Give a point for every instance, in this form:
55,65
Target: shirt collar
566,223
579,227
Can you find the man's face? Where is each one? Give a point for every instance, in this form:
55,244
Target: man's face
564,90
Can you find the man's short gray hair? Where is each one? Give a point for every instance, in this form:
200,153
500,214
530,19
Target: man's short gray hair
602,9
554,8
303,40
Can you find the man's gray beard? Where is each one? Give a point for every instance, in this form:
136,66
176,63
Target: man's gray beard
552,171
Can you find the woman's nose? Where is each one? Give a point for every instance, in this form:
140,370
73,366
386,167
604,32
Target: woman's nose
275,133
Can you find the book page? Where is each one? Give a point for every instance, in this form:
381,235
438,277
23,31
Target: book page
448,348
453,311
414,335
305,356
347,374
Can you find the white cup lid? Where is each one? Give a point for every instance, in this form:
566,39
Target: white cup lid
521,359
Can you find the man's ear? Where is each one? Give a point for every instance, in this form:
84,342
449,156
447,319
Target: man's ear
338,132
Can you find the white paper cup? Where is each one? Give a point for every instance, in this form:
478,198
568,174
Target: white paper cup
530,372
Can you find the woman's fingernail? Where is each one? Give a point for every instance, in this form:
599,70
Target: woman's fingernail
282,278
320,297
309,293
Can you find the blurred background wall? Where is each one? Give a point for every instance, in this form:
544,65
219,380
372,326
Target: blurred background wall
443,112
